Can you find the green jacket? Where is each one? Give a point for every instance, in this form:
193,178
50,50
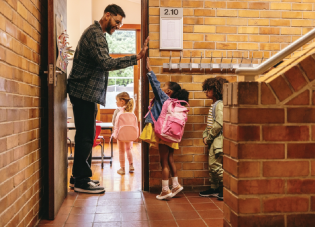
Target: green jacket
214,135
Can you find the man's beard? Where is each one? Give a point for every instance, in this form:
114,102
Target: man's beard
109,28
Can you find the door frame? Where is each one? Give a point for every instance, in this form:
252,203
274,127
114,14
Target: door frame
144,94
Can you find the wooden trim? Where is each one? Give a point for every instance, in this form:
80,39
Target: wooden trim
131,27
144,94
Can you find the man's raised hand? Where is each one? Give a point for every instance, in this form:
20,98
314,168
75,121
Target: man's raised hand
144,49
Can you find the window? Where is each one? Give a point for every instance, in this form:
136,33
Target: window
121,43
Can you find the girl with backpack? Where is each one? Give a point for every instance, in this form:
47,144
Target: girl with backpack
166,148
125,129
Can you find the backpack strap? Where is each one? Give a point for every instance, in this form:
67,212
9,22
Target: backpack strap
149,108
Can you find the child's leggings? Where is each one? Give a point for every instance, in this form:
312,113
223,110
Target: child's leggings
125,146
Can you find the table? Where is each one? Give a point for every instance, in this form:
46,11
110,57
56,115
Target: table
104,125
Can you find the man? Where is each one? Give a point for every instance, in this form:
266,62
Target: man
87,85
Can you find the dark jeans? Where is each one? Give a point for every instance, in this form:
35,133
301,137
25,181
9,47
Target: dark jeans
84,113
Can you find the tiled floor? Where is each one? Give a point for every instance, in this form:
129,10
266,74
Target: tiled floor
137,209
124,205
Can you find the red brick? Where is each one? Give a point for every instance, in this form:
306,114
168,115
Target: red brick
230,199
258,5
261,151
295,78
286,204
230,165
308,66
301,150
285,168
301,115
226,146
257,115
226,180
313,203
301,99
281,88
285,133
233,150
313,168
195,181
241,133
249,169
257,220
299,186
300,220
245,93
267,97
226,114
261,187
249,205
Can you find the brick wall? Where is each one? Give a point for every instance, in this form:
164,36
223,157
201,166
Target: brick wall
20,112
269,146
252,28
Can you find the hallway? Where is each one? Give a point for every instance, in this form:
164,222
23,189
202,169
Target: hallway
124,205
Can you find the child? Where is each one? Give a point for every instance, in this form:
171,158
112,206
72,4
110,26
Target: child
212,135
166,149
124,104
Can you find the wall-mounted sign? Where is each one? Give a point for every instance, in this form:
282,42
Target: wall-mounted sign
171,28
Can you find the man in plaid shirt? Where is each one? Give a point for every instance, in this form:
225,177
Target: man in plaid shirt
87,85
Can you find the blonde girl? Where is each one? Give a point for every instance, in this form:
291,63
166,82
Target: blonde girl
124,104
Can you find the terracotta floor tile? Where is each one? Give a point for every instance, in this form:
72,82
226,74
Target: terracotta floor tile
124,202
60,219
79,225
214,222
211,214
132,208
153,201
181,200
130,195
88,196
135,224
192,223
84,203
141,216
65,209
192,194
109,195
199,200
166,223
157,208
160,216
50,225
186,215
112,217
110,202
181,207
84,218
107,224
107,209
205,206
68,202
83,210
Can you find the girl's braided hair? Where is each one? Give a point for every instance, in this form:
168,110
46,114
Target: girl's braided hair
215,84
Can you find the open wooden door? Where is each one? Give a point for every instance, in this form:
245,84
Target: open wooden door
57,113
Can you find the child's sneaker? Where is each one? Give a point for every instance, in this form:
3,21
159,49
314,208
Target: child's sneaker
176,190
210,192
131,169
121,171
164,195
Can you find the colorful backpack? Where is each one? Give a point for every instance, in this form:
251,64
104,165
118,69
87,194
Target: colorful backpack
171,122
126,129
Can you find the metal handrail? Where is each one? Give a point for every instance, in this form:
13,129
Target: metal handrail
277,57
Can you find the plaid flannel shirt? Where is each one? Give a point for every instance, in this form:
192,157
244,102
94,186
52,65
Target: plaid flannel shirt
88,78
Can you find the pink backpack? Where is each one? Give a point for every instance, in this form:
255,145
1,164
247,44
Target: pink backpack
171,122
126,128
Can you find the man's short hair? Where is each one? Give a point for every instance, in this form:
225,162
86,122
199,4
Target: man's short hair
115,9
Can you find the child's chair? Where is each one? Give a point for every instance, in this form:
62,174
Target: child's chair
97,133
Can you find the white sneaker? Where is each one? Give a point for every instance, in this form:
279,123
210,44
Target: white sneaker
121,171
131,169
164,195
176,190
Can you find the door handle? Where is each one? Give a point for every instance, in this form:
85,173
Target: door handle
52,76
